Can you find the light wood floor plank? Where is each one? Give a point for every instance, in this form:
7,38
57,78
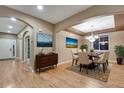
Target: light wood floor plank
17,74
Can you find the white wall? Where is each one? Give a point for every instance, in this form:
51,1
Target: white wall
63,52
6,48
10,36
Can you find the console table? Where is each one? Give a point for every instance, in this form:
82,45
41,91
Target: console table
46,60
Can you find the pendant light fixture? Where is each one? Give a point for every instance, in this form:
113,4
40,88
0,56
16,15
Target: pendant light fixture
92,38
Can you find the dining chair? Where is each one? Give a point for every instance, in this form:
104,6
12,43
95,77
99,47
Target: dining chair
84,61
84,50
102,60
107,57
75,56
79,50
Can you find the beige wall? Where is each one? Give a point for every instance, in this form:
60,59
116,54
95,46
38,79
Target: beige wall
63,52
44,49
115,38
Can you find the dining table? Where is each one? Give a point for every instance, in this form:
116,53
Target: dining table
92,56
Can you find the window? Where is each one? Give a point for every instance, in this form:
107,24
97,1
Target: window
101,43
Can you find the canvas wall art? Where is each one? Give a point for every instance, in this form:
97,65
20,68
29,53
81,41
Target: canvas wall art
44,40
71,42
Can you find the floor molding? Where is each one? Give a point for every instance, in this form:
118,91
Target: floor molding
64,62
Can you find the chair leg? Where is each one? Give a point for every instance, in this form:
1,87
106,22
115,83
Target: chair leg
80,67
87,69
107,62
93,66
76,62
106,65
104,68
72,62
98,67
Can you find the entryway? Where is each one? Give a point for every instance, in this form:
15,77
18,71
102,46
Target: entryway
27,48
7,49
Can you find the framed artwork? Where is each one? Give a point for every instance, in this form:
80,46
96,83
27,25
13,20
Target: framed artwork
71,42
44,40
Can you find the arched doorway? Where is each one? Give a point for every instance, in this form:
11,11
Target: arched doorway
10,29
25,43
26,46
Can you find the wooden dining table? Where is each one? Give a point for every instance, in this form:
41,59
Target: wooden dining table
92,56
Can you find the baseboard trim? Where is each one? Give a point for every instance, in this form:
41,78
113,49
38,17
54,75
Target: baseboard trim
7,59
64,62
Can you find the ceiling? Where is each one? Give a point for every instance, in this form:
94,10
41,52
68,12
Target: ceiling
96,24
17,26
51,13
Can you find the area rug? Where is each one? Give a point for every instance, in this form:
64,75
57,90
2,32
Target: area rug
97,74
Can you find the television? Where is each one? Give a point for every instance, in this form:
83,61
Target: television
44,40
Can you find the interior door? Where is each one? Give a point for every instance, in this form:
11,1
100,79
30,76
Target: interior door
7,48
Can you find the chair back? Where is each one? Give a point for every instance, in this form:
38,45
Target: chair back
107,55
84,58
79,50
84,50
104,57
74,52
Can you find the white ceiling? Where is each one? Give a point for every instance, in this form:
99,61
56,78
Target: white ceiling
17,25
96,24
51,13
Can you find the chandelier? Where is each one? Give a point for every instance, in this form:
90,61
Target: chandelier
92,38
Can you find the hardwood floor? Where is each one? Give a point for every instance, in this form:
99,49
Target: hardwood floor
17,74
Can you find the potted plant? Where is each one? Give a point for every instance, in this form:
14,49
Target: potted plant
84,46
119,51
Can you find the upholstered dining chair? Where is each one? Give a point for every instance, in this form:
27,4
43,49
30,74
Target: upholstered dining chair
84,60
75,56
103,60
84,50
107,57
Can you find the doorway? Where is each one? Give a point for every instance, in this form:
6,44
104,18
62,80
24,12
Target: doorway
27,49
7,49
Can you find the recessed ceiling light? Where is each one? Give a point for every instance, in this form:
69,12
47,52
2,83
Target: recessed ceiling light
13,19
9,31
40,7
10,27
